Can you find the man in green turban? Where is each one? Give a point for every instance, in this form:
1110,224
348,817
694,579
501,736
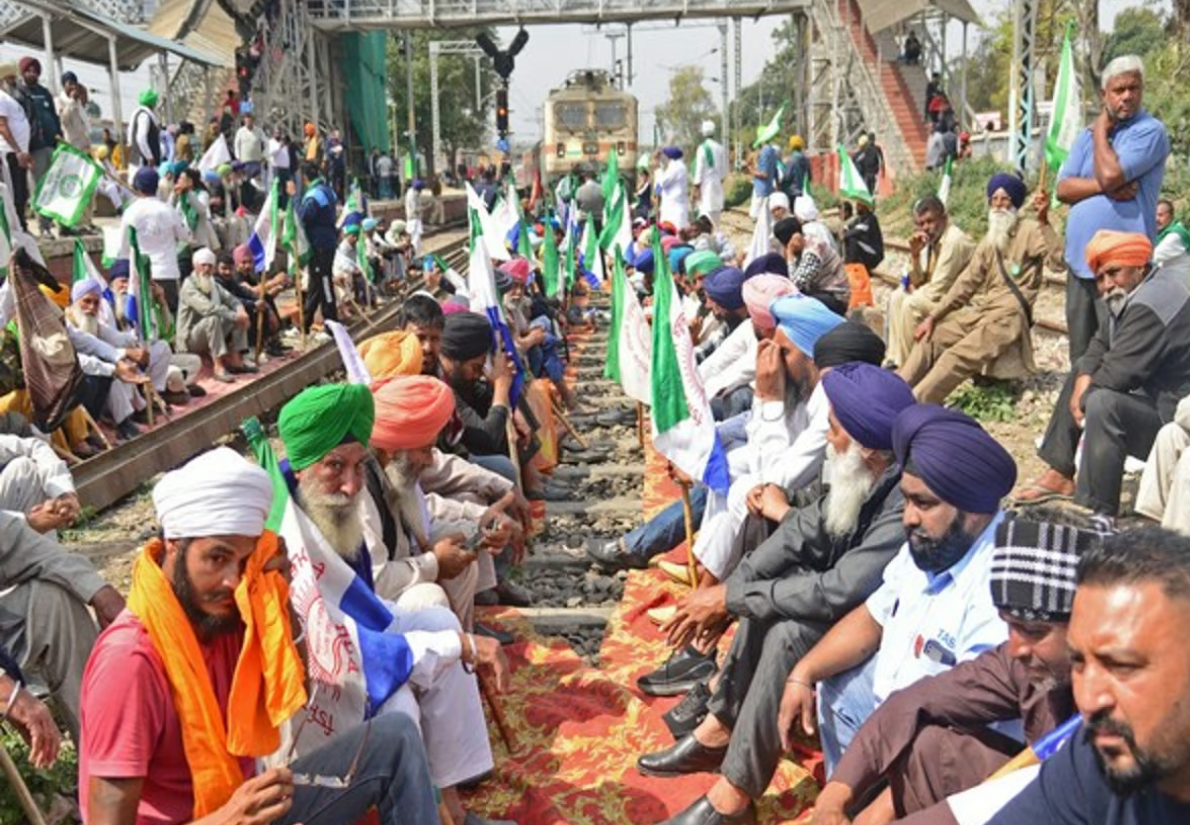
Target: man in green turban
326,431
144,134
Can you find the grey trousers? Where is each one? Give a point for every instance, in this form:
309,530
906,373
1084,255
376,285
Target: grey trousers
50,633
749,696
391,773
1085,311
211,335
22,486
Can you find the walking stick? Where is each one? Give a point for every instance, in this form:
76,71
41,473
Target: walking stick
24,797
261,309
355,305
510,435
688,513
489,694
640,423
558,411
297,293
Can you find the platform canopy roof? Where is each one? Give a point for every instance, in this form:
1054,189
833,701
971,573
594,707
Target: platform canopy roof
82,34
881,14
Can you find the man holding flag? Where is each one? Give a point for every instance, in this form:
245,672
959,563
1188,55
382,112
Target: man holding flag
710,167
159,230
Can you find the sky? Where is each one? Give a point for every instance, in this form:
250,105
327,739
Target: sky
554,51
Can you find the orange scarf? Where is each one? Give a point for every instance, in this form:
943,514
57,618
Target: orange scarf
268,685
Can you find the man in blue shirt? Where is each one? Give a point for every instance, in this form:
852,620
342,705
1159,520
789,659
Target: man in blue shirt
764,175
317,214
1130,762
1111,179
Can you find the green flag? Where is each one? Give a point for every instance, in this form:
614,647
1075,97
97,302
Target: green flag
549,262
611,175
944,184
851,182
769,131
67,186
1066,118
571,265
258,442
611,365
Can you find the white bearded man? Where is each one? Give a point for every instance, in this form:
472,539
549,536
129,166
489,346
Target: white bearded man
326,431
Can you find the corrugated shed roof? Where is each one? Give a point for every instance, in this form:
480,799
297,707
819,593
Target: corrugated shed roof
880,14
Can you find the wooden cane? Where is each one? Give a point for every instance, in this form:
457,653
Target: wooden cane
107,445
297,293
150,415
513,455
558,411
261,309
640,423
24,797
688,513
355,305
489,693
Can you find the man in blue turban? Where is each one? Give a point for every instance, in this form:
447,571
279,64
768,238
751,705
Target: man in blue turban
982,324
822,560
934,608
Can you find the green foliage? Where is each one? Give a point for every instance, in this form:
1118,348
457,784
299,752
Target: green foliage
1167,96
968,203
993,401
61,778
1138,30
462,125
680,117
737,191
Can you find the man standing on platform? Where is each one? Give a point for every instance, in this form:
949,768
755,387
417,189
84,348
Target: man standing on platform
710,167
1111,179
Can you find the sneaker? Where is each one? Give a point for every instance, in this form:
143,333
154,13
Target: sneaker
688,714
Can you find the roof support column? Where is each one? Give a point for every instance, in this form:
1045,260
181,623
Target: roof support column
963,82
113,77
47,33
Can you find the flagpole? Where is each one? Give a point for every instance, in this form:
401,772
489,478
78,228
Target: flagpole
688,513
261,307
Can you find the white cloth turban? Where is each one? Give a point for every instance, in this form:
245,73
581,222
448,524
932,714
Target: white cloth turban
804,208
203,256
220,493
779,199
708,128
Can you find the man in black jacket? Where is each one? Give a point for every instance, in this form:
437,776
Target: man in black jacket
1126,385
317,214
823,560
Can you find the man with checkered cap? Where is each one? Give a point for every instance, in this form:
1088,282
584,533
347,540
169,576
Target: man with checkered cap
932,740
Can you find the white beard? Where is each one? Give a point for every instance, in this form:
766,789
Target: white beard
851,483
337,518
1001,222
205,283
402,496
82,321
1115,301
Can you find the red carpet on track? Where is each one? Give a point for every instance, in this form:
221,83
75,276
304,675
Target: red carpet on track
578,730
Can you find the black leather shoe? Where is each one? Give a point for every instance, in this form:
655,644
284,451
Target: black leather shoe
701,813
611,555
687,755
688,714
512,595
680,673
503,637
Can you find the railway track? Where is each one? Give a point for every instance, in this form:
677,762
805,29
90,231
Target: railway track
114,473
741,222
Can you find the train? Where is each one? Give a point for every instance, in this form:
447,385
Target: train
584,120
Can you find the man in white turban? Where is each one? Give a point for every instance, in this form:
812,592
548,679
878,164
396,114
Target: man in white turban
710,167
212,321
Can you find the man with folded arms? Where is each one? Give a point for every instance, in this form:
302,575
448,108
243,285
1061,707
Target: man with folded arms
190,684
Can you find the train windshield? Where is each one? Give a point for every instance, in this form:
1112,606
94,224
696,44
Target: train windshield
571,115
610,115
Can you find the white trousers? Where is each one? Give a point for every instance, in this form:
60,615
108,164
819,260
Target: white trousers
905,311
715,545
1164,493
443,699
123,400
22,486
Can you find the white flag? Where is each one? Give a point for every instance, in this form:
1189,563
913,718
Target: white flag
216,155
1066,118
761,234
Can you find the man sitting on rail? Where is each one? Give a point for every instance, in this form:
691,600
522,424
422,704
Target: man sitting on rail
724,296
988,311
815,266
938,252
326,431
823,560
1129,381
932,740
1164,491
170,725
36,483
211,321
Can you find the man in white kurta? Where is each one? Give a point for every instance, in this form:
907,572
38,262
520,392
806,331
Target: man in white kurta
672,183
710,168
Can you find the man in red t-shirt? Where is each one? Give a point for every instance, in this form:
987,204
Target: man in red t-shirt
142,741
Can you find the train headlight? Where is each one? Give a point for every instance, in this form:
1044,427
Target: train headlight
620,148
561,151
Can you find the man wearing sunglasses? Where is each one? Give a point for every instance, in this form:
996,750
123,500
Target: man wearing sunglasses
189,685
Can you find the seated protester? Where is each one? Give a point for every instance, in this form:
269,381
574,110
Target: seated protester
931,740
481,402
1164,492
806,211
415,561
703,324
227,276
535,341
822,560
938,252
727,374
934,609
346,270
780,206
371,240
988,311
36,484
87,314
863,242
247,276
28,715
712,239
814,266
725,299
45,624
1129,762
1129,381
1172,252
211,321
325,431
186,754
422,317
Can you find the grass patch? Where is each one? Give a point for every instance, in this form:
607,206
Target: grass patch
992,402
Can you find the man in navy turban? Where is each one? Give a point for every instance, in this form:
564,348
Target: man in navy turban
934,608
821,561
982,324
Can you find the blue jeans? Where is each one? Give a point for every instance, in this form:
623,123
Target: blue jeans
845,702
545,358
667,529
391,773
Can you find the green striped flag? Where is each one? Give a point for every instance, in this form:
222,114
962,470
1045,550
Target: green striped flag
851,182
68,186
611,364
550,267
1066,117
611,176
944,184
769,131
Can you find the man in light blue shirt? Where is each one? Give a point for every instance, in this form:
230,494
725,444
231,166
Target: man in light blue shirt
934,608
1112,180
764,175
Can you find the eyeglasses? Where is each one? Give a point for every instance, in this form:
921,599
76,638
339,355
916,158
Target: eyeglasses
315,780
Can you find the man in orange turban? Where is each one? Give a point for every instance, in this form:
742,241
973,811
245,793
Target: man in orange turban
391,354
1126,385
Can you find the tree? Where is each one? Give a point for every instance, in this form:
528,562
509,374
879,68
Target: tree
462,125
680,118
1139,31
